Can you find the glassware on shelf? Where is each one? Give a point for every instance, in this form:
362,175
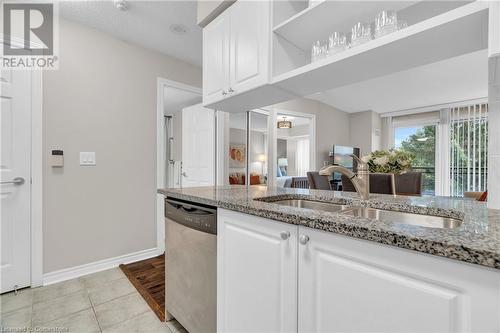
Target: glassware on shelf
361,33
386,22
337,42
315,51
319,51
402,24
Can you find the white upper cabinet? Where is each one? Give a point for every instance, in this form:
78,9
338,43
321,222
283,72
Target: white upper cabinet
258,53
216,59
236,51
256,274
249,45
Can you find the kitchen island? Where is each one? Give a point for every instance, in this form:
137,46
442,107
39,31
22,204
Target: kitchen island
283,268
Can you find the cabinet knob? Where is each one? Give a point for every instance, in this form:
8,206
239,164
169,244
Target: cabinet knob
231,90
224,93
303,239
285,235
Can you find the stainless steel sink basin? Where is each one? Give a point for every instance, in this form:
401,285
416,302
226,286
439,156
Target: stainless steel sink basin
390,216
315,205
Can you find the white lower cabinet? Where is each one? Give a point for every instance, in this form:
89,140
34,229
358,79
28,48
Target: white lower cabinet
343,284
256,274
351,285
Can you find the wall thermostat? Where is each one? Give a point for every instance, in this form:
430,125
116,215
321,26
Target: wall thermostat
57,158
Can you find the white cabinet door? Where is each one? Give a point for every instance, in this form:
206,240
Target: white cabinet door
256,274
198,146
349,285
216,59
249,45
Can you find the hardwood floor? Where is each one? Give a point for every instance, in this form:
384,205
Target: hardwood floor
148,277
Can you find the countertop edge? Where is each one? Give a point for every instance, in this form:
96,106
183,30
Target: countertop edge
440,249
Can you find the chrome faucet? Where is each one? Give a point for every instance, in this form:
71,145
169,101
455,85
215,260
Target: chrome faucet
361,180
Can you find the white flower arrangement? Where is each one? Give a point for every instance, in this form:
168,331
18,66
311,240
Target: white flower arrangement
389,161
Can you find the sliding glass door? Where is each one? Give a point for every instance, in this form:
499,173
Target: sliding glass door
420,140
450,148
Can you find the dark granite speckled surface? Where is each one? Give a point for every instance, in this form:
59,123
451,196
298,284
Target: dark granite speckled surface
476,241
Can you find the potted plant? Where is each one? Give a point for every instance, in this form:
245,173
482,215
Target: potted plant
392,161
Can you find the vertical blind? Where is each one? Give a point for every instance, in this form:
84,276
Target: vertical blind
468,149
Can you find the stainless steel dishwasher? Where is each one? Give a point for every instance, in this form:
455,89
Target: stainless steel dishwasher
191,265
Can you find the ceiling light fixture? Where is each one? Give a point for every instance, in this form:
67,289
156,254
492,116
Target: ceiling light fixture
178,29
121,5
284,123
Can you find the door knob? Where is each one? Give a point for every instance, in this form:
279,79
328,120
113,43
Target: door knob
224,93
231,90
183,174
15,181
303,239
285,235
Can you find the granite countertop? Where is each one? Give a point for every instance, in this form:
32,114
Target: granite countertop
476,241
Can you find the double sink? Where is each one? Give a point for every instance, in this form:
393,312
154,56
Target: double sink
429,221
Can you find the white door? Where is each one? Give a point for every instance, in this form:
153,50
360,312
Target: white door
15,119
216,59
249,45
198,146
256,274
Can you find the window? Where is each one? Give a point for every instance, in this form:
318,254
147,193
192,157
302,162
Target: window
421,142
450,148
468,149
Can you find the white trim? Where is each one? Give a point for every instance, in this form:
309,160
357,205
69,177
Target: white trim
443,154
222,147
272,148
36,205
160,151
97,266
435,107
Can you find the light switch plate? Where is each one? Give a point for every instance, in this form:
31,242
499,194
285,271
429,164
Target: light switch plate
87,158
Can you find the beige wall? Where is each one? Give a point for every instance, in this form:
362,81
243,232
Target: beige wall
365,131
332,125
102,99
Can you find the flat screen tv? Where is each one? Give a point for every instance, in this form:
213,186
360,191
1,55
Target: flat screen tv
340,157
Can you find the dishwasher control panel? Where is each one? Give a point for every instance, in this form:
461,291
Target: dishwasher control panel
192,215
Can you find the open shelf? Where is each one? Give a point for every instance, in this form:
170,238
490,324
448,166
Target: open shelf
453,33
319,21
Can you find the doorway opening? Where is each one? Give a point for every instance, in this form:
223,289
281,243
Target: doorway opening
172,98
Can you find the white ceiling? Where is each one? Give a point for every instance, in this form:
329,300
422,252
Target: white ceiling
177,99
452,80
145,23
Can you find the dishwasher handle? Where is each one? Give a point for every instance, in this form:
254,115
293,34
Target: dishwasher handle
193,216
191,208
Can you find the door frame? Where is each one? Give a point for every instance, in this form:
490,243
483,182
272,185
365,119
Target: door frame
36,206
36,174
161,84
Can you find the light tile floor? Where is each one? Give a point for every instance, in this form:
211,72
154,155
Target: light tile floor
100,302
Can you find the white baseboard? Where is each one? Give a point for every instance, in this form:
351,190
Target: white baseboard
97,266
